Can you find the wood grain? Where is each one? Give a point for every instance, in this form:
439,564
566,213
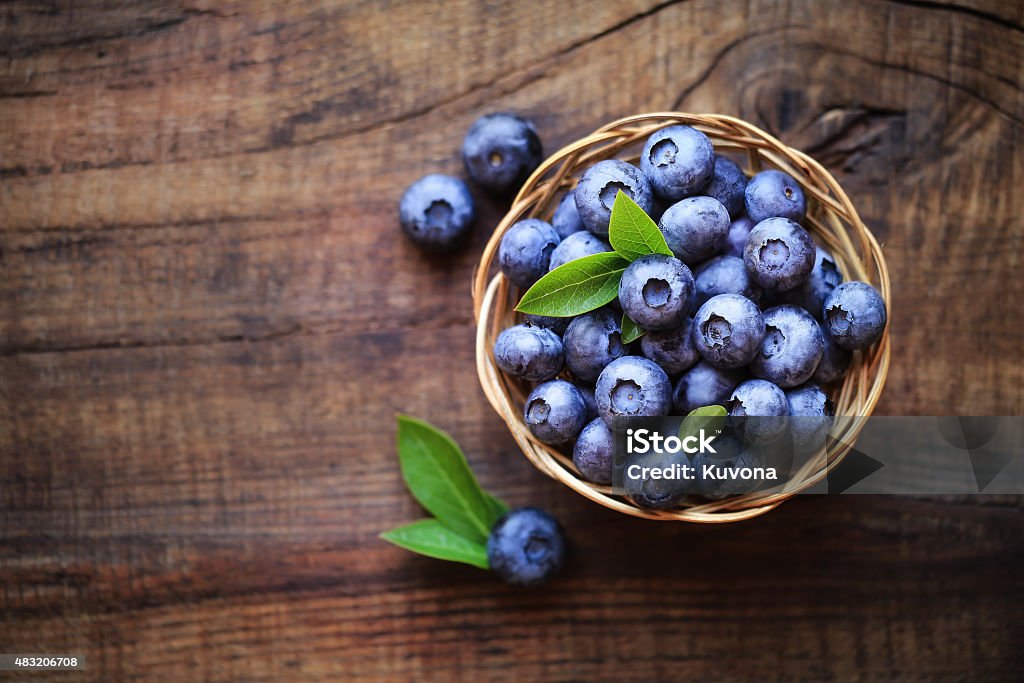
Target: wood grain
208,321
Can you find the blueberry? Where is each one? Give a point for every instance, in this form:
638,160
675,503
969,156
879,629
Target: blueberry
855,315
567,219
594,452
632,386
728,330
758,397
436,212
656,291
729,454
529,352
824,278
500,151
555,411
526,547
723,275
695,228
525,251
595,194
678,160
705,385
672,349
592,341
739,230
779,254
791,348
660,206
556,325
771,194
587,392
649,492
835,360
728,184
809,400
812,416
577,245
757,406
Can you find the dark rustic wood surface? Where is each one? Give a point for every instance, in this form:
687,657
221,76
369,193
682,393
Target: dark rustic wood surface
208,320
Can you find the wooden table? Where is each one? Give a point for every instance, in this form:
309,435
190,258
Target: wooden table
208,319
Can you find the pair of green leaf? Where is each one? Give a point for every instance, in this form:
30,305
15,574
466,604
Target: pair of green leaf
438,476
590,282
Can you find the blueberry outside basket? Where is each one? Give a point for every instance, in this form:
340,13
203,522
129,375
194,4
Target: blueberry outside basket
831,218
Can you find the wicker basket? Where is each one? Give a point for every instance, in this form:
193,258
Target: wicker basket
830,216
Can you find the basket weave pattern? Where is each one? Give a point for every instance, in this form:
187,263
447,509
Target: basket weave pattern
830,217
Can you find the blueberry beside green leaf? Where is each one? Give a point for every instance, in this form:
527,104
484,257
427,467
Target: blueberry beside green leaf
523,547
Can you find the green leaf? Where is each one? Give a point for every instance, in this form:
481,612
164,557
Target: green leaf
438,476
630,330
577,287
497,508
431,538
632,232
709,418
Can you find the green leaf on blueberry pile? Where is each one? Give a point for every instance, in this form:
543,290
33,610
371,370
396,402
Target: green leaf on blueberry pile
438,476
576,287
632,232
630,330
431,538
587,283
709,418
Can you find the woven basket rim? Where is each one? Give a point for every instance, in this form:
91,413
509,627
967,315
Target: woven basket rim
832,218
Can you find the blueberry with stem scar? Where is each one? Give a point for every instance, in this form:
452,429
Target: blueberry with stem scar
758,408
526,547
656,291
791,348
774,194
779,254
678,160
555,412
500,151
855,315
728,330
436,212
632,387
595,194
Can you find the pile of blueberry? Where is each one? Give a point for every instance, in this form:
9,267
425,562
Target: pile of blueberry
748,312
